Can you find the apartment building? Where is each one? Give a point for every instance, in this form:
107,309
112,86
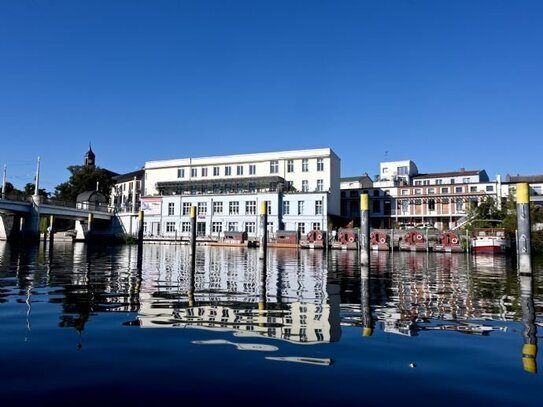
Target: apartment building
301,188
400,195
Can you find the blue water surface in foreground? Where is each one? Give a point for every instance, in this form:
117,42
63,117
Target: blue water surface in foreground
86,327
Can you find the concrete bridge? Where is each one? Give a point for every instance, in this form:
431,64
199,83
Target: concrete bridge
22,218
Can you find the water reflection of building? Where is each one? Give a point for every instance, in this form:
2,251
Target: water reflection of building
413,292
292,303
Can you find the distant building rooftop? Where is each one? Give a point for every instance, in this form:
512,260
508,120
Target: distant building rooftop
129,176
524,178
448,174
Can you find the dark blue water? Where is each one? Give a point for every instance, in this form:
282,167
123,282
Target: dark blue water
87,327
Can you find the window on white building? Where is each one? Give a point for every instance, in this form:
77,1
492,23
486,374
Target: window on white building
252,169
194,172
274,167
439,181
202,208
445,190
418,182
217,208
300,207
320,185
305,186
233,208
290,166
180,173
250,228
318,207
489,188
227,171
465,180
185,226
204,172
316,226
458,189
170,227
216,171
301,229
171,208
216,227
431,190
186,208
250,208
320,164
473,189
239,170
286,207
269,207
305,165
232,226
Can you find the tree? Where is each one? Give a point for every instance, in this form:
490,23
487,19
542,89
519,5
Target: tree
29,190
486,214
84,178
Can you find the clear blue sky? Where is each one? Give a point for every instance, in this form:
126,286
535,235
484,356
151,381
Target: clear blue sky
448,84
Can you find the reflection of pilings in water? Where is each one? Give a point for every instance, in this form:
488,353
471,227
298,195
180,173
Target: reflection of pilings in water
334,299
139,262
529,333
262,292
365,302
191,283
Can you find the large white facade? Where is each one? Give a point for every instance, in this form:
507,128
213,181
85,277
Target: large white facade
301,188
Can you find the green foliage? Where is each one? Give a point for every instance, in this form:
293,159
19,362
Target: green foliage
29,190
83,178
486,214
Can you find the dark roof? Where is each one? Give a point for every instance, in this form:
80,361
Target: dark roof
524,178
447,174
91,196
129,176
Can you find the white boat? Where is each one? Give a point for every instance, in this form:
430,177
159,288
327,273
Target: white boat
491,240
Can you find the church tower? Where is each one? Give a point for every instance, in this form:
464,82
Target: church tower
90,158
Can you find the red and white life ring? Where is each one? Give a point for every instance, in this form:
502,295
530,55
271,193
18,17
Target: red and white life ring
419,236
351,239
454,240
382,240
319,236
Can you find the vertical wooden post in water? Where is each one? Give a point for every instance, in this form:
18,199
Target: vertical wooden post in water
263,248
364,229
90,219
141,217
193,235
524,228
51,234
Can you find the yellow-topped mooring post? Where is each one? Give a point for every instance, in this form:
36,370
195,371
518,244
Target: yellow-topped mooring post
263,248
529,331
364,229
524,228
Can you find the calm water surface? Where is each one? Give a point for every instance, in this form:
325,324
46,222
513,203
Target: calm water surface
86,327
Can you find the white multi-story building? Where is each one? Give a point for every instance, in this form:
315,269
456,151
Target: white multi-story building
301,188
400,195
